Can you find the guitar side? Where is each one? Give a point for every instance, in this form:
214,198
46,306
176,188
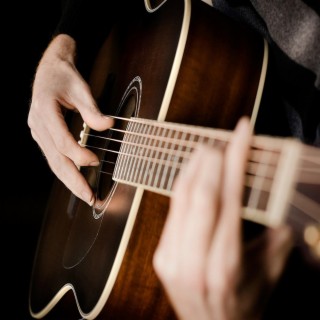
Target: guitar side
209,74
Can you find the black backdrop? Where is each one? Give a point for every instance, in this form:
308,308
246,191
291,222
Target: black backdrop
26,179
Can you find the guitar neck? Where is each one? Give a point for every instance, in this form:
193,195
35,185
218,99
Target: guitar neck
152,154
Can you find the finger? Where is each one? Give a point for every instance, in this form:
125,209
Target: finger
167,254
234,174
62,138
193,208
183,193
64,168
69,89
203,207
225,253
80,97
201,218
229,227
170,241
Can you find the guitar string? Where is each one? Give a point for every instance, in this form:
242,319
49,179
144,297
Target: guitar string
258,142
274,144
298,219
254,156
251,168
174,141
168,162
207,132
254,153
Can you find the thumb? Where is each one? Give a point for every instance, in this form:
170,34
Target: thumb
84,102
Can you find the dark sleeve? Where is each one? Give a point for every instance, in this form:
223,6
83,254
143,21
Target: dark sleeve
293,62
243,11
294,297
89,23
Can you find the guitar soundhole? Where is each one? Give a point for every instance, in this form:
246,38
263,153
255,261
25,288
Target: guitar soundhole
102,182
108,217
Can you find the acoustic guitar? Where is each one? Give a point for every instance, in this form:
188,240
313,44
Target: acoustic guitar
174,74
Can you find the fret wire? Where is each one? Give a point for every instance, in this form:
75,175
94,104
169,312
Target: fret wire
132,150
183,127
255,193
140,170
176,162
265,184
127,158
156,162
151,178
167,157
263,181
135,147
161,159
120,157
137,161
211,142
176,141
254,154
189,149
166,160
268,170
123,156
173,155
259,142
218,134
149,157
249,181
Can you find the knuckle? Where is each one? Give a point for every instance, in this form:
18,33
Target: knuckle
219,285
166,270
195,281
30,122
178,276
33,135
63,145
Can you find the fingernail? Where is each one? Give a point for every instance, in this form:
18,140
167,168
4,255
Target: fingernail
88,198
109,118
91,203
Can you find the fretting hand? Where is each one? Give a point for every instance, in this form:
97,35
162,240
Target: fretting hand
206,269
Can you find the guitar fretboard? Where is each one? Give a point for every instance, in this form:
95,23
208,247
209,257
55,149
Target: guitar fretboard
153,153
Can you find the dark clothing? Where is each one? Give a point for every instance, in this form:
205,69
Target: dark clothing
292,29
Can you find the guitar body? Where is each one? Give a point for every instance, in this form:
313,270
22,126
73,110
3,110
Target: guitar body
179,61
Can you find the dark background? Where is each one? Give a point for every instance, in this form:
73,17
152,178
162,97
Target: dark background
26,178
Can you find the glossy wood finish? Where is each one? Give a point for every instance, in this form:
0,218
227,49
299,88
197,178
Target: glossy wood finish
217,83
